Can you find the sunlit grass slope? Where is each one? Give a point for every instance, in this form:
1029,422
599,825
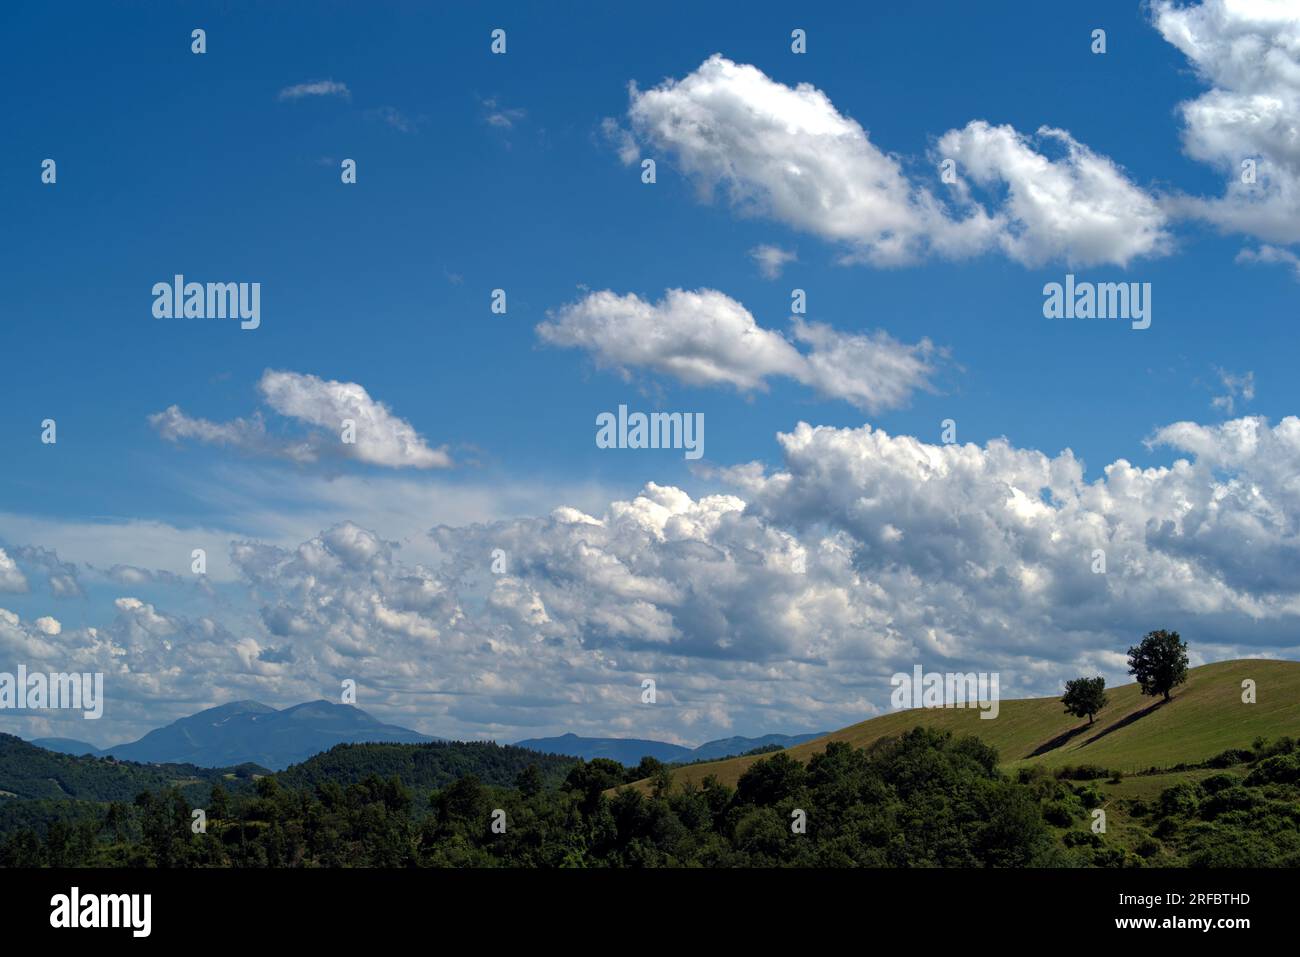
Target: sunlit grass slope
1133,733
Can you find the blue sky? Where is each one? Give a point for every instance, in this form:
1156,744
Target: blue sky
480,171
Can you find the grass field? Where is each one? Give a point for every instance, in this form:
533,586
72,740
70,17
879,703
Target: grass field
1134,733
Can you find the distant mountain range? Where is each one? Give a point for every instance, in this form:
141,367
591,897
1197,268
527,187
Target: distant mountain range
630,751
65,746
249,732
245,732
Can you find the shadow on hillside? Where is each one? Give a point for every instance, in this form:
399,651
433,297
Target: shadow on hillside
1062,739
1125,722
1058,741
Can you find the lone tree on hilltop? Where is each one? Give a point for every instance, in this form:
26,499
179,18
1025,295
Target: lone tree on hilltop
1084,696
1159,663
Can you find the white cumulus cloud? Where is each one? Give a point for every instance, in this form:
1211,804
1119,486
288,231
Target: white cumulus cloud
12,578
705,337
782,603
381,438
1079,208
790,154
1248,53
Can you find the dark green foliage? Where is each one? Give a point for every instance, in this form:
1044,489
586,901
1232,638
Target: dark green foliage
1283,745
771,781
1084,697
1083,772
1114,857
426,766
1230,758
1181,799
1233,798
1090,797
530,781
1148,847
923,799
1059,813
1159,663
1233,821
34,773
1282,769
1217,782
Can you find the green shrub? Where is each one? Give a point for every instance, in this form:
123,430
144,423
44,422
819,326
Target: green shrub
1090,797
1181,799
1229,799
1230,758
1283,769
1216,783
1082,772
1059,813
1082,839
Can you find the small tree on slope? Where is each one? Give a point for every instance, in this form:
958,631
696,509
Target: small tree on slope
1159,663
1084,696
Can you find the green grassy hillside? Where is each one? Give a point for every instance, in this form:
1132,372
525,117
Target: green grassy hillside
1133,733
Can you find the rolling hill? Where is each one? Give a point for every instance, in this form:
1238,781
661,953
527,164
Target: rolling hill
1134,733
28,772
425,766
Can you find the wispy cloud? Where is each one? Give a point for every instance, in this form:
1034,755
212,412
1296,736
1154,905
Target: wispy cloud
1236,388
620,140
1271,256
396,119
502,117
772,259
315,88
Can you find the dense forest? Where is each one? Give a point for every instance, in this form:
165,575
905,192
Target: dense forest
924,798
425,767
31,772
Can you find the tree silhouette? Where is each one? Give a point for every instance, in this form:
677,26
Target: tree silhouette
1085,696
1159,663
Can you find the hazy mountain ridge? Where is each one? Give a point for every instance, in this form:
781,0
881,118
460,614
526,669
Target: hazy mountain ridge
630,751
249,732
66,746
